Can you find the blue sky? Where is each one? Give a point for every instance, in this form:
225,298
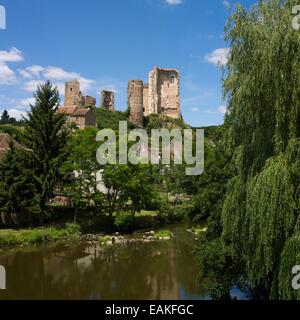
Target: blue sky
105,43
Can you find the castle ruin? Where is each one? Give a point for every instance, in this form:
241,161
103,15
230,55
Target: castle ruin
135,102
160,96
108,100
75,98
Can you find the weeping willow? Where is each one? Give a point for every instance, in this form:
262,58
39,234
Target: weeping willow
260,217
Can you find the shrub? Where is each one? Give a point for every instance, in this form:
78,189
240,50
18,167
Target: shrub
124,221
73,230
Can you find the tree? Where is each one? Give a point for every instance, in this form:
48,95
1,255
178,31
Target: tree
46,136
128,183
18,194
5,117
260,214
82,160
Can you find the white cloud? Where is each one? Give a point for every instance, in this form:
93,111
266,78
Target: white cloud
31,72
222,109
17,114
27,102
56,74
195,109
85,84
14,55
32,85
7,75
218,57
174,2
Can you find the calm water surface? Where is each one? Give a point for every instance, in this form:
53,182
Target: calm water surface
157,270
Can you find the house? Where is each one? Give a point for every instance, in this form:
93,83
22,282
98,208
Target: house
82,118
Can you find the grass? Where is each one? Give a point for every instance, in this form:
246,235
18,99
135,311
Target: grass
145,213
163,234
105,240
36,236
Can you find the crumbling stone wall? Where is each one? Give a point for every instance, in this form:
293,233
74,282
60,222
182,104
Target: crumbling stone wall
146,99
73,95
89,101
136,102
164,92
108,100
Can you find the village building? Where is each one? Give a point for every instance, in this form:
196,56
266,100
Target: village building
77,107
82,118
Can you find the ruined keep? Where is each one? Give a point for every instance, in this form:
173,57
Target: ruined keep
74,97
108,100
136,102
72,94
160,96
164,93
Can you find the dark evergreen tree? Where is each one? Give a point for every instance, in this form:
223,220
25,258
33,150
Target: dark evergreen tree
18,194
5,117
46,137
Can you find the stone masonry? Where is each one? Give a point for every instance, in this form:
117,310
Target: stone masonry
160,96
164,93
135,102
108,100
74,97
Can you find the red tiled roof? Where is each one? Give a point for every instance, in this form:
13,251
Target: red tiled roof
80,112
66,110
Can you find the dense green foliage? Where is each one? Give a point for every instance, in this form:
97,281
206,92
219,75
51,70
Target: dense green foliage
29,175
82,186
259,230
45,135
108,119
156,121
15,132
18,191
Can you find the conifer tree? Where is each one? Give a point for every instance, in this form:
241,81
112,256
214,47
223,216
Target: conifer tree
46,136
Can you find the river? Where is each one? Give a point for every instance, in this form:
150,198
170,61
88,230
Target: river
79,270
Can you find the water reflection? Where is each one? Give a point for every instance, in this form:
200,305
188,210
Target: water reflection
158,270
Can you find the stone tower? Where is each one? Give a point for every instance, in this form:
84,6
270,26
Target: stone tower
136,102
73,95
89,101
108,100
164,93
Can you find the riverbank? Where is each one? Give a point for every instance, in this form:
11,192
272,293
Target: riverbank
72,232
38,235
